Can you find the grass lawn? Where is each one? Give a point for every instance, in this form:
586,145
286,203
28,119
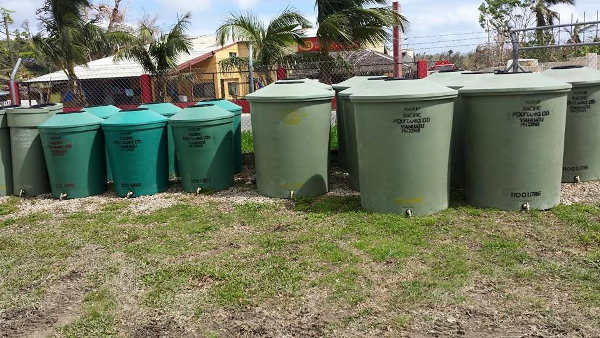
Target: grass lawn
221,265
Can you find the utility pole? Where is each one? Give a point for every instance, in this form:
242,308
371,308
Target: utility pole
397,45
250,68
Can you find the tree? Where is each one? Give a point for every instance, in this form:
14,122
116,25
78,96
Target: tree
157,52
350,23
545,16
6,21
69,39
270,41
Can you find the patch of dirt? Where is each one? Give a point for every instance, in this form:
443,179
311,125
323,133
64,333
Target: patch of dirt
159,328
62,302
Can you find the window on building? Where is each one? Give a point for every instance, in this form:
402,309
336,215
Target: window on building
204,89
232,54
232,88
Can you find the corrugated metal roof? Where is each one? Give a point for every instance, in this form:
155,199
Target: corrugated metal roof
106,68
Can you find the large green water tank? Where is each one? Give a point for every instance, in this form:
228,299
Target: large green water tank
403,130
167,110
339,117
582,137
290,124
30,177
6,185
74,152
236,128
515,140
204,143
349,135
104,112
136,142
457,80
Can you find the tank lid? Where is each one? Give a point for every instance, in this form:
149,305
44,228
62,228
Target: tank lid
102,112
402,90
134,117
353,81
291,91
359,85
71,120
163,108
225,104
516,83
3,109
457,79
575,75
37,109
205,112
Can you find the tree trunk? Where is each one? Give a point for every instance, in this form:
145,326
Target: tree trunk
79,99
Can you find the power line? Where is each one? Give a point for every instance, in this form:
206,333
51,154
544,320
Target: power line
439,35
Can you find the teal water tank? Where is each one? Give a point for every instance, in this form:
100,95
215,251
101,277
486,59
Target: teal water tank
403,132
136,142
204,144
515,132
290,123
104,112
74,152
236,128
167,110
581,161
30,176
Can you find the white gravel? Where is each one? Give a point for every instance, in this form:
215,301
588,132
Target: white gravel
586,193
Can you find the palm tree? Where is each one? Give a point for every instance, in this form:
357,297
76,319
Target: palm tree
68,39
545,16
351,23
270,41
158,52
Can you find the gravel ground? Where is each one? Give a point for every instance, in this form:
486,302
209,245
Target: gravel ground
244,191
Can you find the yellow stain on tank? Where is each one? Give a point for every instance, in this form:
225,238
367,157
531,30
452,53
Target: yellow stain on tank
294,118
409,201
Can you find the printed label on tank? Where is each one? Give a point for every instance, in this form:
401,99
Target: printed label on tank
24,138
57,146
412,120
65,185
131,185
531,115
409,201
526,194
580,101
576,168
195,138
127,142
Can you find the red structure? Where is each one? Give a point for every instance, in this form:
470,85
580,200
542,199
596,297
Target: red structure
13,88
443,65
422,69
146,88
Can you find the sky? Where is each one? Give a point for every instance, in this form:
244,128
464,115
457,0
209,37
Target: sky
435,25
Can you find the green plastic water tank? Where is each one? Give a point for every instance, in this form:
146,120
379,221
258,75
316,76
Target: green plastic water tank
290,124
236,127
582,140
340,116
30,177
167,110
347,108
403,130
6,180
515,140
204,143
457,80
74,151
136,142
104,112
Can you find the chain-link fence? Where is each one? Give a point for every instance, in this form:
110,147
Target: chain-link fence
186,87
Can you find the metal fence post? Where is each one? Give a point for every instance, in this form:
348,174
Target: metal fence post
515,47
250,68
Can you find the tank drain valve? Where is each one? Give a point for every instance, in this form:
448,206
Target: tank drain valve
577,179
63,196
525,206
129,194
22,193
291,194
198,191
409,213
